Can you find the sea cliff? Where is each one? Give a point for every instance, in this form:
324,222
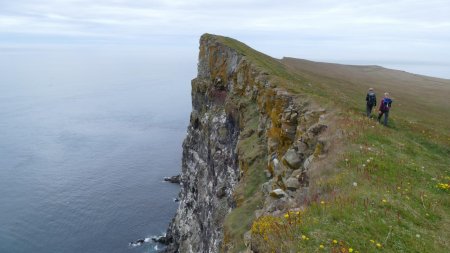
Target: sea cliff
249,146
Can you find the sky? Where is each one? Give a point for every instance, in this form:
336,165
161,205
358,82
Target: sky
410,34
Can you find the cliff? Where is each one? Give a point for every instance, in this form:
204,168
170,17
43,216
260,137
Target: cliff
249,145
266,169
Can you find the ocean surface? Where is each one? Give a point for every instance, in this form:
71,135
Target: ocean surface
85,141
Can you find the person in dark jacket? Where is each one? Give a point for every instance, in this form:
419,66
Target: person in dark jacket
371,101
385,106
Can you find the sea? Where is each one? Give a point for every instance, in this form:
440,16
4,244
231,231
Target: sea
86,138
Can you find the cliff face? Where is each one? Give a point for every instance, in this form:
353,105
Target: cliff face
209,164
249,146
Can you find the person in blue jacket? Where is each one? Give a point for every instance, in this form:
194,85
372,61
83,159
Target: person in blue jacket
385,106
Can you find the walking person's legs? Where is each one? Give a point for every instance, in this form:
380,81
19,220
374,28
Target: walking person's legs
368,110
379,116
386,115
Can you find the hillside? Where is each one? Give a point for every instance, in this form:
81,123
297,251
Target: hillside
415,95
279,157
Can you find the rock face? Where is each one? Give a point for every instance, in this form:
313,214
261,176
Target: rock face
209,164
240,115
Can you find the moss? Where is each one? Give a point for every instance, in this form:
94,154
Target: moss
318,149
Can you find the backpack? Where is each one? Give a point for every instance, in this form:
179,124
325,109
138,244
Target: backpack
385,104
372,99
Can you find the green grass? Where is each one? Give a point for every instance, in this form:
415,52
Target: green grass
404,172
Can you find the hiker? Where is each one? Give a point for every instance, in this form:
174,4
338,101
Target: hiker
371,102
385,106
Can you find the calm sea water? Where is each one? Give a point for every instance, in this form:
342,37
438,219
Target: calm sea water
85,141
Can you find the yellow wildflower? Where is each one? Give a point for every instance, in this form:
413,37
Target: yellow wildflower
350,250
443,186
286,216
322,202
321,246
303,237
334,241
372,241
378,245
384,201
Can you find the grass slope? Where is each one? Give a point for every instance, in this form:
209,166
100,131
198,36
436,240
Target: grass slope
386,191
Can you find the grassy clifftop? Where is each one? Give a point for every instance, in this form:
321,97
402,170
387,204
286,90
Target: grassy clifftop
386,188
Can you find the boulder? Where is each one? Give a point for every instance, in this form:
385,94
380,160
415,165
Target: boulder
278,193
277,170
266,187
301,147
296,174
289,129
292,159
307,163
161,239
292,183
317,128
173,179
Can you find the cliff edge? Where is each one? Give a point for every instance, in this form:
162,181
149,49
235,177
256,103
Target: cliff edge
279,158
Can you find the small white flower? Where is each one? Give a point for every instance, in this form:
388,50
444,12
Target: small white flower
368,160
364,165
417,235
355,184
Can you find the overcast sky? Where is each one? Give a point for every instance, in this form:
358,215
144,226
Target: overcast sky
412,32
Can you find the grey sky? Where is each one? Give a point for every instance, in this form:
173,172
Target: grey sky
364,31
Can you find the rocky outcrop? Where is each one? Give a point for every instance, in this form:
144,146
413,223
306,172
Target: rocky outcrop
238,106
173,179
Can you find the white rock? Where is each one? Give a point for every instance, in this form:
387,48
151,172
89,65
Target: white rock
278,193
